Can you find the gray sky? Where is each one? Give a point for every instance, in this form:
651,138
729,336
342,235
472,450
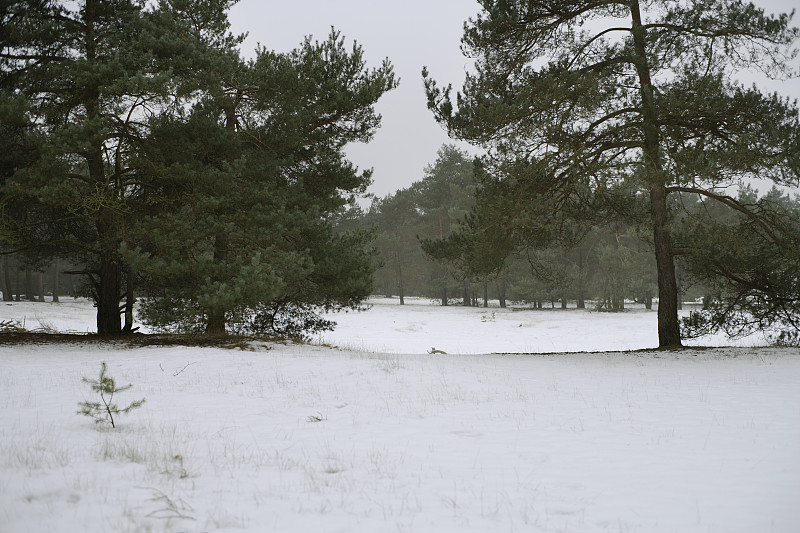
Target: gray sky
412,34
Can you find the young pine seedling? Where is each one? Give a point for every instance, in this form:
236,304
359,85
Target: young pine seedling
105,409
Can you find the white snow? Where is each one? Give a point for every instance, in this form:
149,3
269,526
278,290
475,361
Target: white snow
421,324
378,435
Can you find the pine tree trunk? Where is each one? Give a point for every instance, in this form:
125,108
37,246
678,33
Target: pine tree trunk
129,301
668,328
3,281
30,291
7,297
485,294
18,286
40,286
402,293
109,274
580,302
107,224
400,276
56,267
465,302
108,321
444,295
215,326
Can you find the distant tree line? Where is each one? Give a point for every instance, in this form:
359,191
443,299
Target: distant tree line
25,282
446,238
417,231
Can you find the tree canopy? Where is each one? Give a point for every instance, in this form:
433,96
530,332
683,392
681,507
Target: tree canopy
577,98
255,173
148,150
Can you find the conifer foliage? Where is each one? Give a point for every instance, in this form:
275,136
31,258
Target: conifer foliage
176,171
573,96
105,409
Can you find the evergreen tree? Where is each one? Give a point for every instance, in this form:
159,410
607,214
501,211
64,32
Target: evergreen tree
250,182
750,267
602,92
430,208
512,216
397,222
445,196
91,73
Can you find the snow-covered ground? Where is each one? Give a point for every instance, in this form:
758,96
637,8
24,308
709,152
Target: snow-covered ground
377,435
420,325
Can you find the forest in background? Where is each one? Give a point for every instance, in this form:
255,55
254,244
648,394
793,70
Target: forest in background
603,264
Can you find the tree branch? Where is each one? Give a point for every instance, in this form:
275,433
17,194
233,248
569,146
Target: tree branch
733,204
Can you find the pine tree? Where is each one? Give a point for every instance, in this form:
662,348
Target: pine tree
248,185
749,268
104,410
91,74
569,92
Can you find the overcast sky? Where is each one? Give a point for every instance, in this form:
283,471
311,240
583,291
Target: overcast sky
412,34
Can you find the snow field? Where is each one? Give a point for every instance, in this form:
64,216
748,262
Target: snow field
421,324
311,438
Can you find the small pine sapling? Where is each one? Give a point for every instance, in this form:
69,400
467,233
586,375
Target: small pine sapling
105,409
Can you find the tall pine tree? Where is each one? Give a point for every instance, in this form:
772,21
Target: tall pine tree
622,90
91,74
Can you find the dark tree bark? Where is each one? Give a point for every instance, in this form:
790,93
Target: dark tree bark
401,288
40,286
18,286
30,291
107,297
668,325
129,301
581,302
9,295
56,268
108,223
215,325
3,278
